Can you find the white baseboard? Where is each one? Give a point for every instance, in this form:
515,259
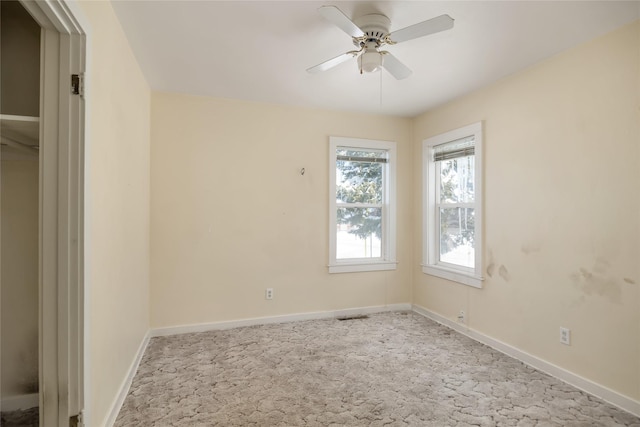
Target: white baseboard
203,327
126,383
21,401
621,401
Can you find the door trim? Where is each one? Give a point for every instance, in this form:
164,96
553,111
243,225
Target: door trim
63,325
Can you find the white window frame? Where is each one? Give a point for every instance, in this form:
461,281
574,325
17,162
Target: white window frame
431,234
388,259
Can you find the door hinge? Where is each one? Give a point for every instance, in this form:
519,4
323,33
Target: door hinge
77,84
76,420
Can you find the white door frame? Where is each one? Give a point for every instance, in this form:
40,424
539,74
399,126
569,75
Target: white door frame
61,281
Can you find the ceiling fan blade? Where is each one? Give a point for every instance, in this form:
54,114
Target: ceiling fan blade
431,26
332,62
396,68
340,20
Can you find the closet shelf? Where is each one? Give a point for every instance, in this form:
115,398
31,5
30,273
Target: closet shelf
20,132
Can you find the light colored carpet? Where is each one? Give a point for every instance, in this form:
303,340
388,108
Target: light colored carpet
391,369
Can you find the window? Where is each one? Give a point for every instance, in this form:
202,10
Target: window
452,203
362,205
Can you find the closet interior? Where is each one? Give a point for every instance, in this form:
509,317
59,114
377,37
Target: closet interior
19,212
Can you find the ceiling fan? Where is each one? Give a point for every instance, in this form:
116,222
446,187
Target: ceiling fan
370,33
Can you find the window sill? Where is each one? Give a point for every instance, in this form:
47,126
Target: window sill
356,267
453,275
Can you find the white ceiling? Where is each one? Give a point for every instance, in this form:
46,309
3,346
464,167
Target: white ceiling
259,50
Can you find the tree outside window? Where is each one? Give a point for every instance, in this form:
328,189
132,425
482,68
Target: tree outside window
359,198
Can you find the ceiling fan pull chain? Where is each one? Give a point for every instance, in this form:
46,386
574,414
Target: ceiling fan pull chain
380,88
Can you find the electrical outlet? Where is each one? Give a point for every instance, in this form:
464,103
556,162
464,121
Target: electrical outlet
462,317
268,293
565,336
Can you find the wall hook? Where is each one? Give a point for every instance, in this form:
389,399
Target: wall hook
302,171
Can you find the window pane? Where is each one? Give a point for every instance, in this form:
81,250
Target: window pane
457,230
457,180
358,182
359,233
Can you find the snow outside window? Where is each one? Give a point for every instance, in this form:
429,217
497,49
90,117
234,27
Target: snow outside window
452,243
362,205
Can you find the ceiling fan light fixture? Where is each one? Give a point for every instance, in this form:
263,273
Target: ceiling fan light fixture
370,62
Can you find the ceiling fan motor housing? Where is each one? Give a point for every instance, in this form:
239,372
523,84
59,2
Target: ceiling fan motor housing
375,28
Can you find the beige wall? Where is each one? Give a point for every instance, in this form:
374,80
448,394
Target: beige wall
562,211
19,278
118,102
231,215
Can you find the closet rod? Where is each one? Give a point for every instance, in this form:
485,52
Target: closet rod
18,145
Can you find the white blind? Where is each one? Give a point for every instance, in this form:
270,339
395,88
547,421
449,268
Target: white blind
361,155
462,147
